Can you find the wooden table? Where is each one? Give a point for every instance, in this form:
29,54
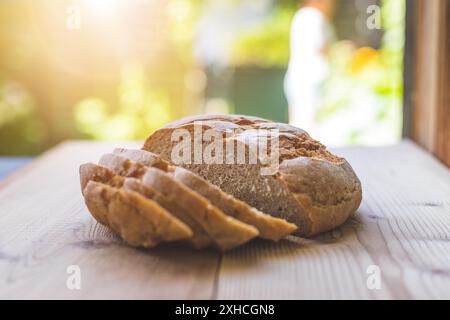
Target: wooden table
402,226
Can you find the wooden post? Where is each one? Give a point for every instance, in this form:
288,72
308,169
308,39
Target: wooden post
443,110
430,100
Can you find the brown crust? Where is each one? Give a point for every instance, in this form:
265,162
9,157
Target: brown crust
293,142
232,118
137,220
327,193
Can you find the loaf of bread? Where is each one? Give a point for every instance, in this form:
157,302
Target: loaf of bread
310,186
228,187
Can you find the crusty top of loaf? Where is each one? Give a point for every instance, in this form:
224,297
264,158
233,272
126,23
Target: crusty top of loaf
293,142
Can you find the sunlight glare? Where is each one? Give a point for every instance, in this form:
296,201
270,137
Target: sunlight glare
102,9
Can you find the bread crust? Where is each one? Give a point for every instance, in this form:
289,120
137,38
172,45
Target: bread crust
323,186
327,193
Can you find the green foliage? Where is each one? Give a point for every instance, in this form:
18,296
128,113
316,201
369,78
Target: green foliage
21,131
141,110
267,43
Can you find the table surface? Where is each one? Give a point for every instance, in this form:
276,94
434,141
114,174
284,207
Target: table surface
402,228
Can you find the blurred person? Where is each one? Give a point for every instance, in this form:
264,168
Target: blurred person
311,34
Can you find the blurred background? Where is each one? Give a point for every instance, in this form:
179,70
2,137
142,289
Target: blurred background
118,70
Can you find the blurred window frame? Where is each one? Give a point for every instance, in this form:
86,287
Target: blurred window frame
427,76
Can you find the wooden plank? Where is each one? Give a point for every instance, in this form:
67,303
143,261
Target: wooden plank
45,227
430,114
426,69
402,226
443,110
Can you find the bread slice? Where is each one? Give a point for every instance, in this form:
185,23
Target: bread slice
225,231
137,220
92,172
269,227
310,187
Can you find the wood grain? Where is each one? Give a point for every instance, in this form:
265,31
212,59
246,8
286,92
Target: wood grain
430,114
403,226
443,111
45,228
